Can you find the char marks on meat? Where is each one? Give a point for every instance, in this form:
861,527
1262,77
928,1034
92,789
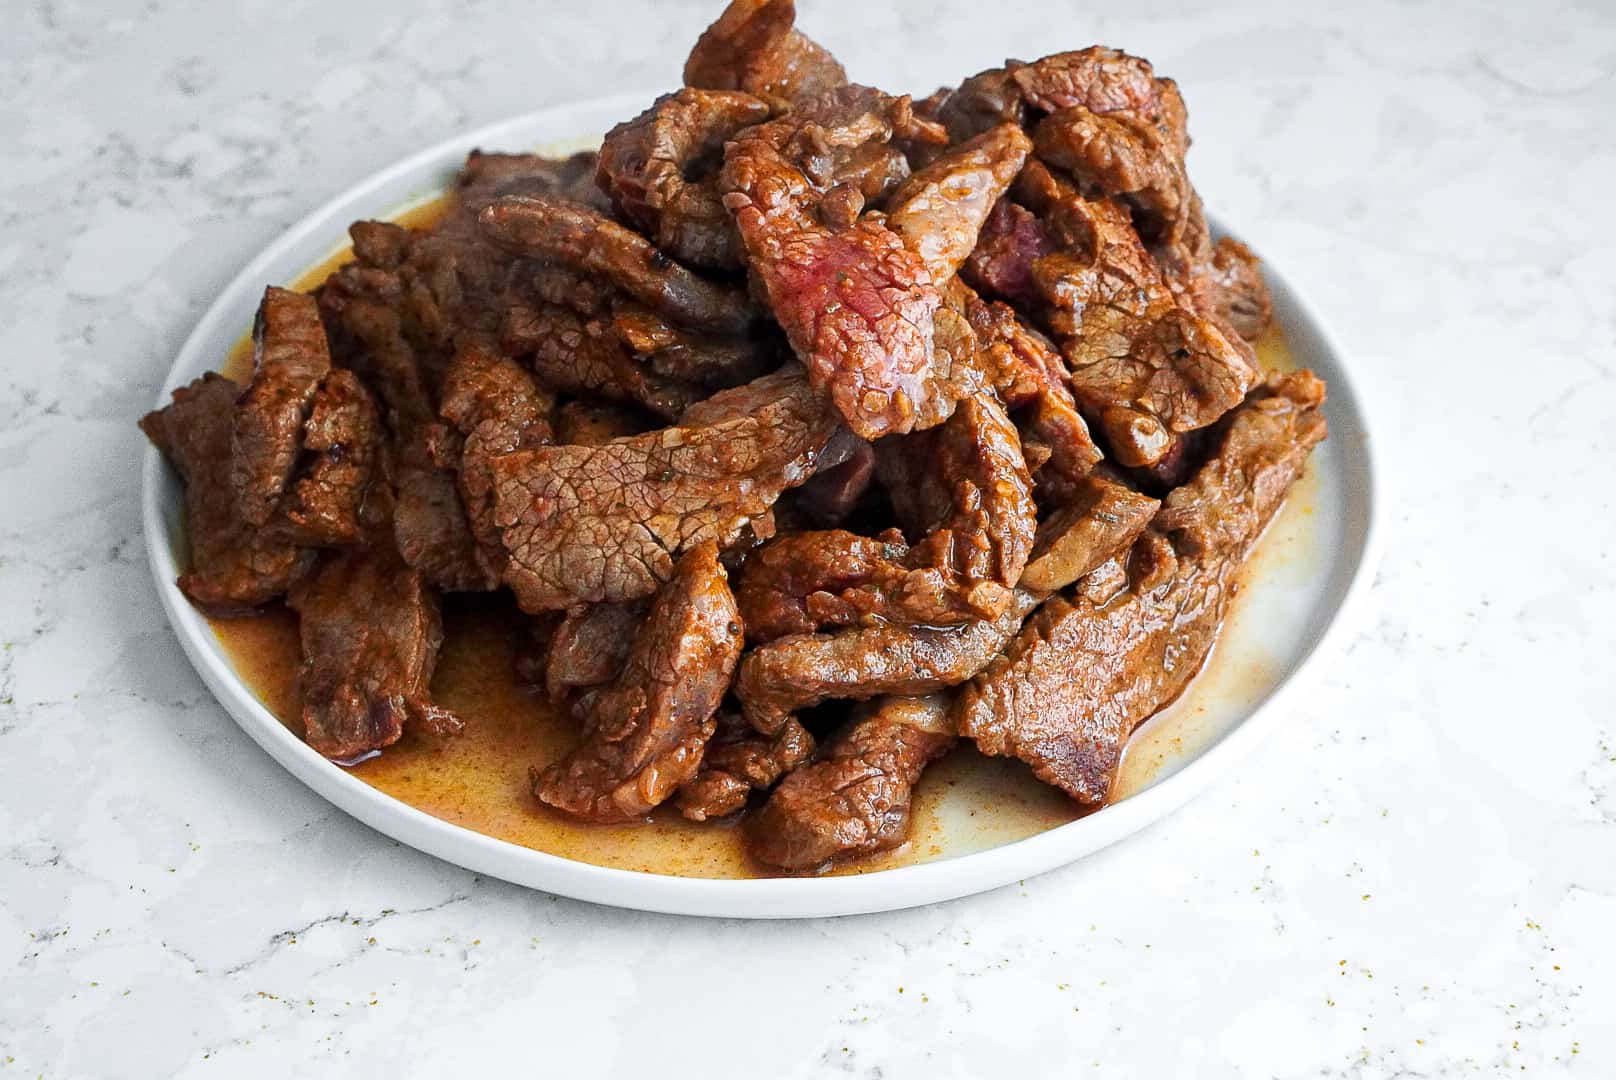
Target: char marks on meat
370,630
235,566
854,798
1084,672
290,357
589,523
645,733
754,46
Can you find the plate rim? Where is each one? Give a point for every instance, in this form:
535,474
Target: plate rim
752,898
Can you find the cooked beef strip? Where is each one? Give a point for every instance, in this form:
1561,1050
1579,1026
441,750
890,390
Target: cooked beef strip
370,630
836,489
703,359
235,566
290,357
429,522
800,670
854,798
661,171
1228,288
855,303
585,240
645,733
590,646
485,177
331,503
1143,366
1011,242
497,409
573,354
583,423
739,761
963,569
1084,672
1103,518
753,46
938,212
584,524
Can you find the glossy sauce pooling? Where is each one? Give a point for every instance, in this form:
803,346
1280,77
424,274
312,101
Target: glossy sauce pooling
964,803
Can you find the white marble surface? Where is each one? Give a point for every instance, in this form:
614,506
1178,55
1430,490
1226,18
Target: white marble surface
1415,877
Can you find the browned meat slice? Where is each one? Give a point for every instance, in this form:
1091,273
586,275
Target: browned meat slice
340,496
1143,366
645,733
429,523
590,647
594,244
739,761
661,171
573,354
855,303
1083,673
939,211
837,487
1012,240
584,524
370,629
1031,378
1125,155
582,423
1228,288
1103,518
290,357
1101,80
755,47
801,670
964,569
497,409
704,359
485,177
235,566
854,799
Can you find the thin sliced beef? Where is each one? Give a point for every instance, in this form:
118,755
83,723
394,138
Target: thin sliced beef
370,630
645,733
1084,672
754,46
964,569
836,489
855,303
854,799
1228,288
584,524
661,171
497,409
1103,518
938,212
576,354
290,357
590,647
235,566
340,498
1143,366
859,663
709,360
739,761
589,242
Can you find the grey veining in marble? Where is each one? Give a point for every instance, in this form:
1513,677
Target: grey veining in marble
1416,876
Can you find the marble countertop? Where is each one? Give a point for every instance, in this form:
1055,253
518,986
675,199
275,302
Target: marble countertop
1415,876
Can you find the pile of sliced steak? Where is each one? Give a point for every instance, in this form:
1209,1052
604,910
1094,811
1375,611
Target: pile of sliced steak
817,430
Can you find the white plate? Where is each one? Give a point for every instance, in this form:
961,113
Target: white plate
1316,603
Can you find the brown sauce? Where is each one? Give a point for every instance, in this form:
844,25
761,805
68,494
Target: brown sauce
965,803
